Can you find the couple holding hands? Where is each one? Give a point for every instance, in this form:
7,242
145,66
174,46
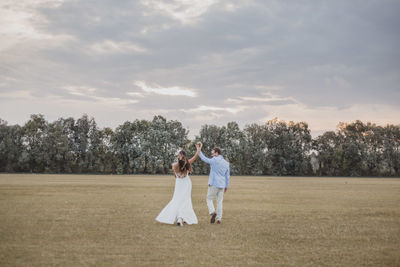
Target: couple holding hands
180,208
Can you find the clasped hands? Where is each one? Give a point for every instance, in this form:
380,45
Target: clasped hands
199,145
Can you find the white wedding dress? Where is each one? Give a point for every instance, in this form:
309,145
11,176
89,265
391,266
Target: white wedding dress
180,206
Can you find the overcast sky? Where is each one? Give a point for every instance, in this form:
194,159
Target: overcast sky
201,61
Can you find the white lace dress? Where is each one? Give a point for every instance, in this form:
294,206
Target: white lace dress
180,205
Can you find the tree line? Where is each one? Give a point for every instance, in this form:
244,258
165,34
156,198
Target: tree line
149,147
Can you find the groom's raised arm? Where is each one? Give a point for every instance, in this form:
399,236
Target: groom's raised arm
204,158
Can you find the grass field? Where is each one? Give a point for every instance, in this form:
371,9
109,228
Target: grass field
75,220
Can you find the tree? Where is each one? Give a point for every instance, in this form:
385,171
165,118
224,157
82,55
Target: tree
130,146
288,147
34,132
108,160
142,146
254,160
391,151
55,147
326,146
11,147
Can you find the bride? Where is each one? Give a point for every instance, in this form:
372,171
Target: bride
180,207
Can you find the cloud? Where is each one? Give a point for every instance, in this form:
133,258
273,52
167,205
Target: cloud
135,94
185,11
269,87
110,47
171,91
80,90
264,98
88,94
210,108
244,61
20,22
19,94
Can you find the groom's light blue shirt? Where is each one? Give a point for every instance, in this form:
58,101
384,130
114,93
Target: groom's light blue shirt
219,173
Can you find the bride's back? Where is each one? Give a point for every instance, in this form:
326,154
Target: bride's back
178,173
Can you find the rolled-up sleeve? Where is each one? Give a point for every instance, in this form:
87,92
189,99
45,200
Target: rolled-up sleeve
227,176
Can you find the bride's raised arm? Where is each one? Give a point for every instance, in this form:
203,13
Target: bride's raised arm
195,156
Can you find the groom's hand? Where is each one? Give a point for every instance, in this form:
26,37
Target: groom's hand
226,189
198,145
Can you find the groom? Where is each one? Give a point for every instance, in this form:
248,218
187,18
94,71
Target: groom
218,181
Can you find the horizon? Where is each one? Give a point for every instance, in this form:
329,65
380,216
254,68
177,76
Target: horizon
192,135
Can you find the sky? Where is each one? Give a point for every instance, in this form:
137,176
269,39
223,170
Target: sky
201,61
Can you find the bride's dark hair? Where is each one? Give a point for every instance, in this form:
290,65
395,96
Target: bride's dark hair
184,164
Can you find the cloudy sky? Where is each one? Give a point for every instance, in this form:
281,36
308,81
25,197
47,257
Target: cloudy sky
201,61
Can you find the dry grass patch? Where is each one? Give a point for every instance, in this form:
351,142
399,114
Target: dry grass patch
72,220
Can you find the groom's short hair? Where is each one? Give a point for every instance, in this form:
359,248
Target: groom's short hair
217,150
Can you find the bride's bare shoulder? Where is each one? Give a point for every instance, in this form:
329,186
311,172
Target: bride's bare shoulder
175,165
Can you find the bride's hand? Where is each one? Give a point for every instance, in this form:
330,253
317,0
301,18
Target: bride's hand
198,146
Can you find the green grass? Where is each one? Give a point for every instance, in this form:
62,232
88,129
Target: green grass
75,220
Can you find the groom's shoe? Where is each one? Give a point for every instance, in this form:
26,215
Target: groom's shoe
213,215
218,221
